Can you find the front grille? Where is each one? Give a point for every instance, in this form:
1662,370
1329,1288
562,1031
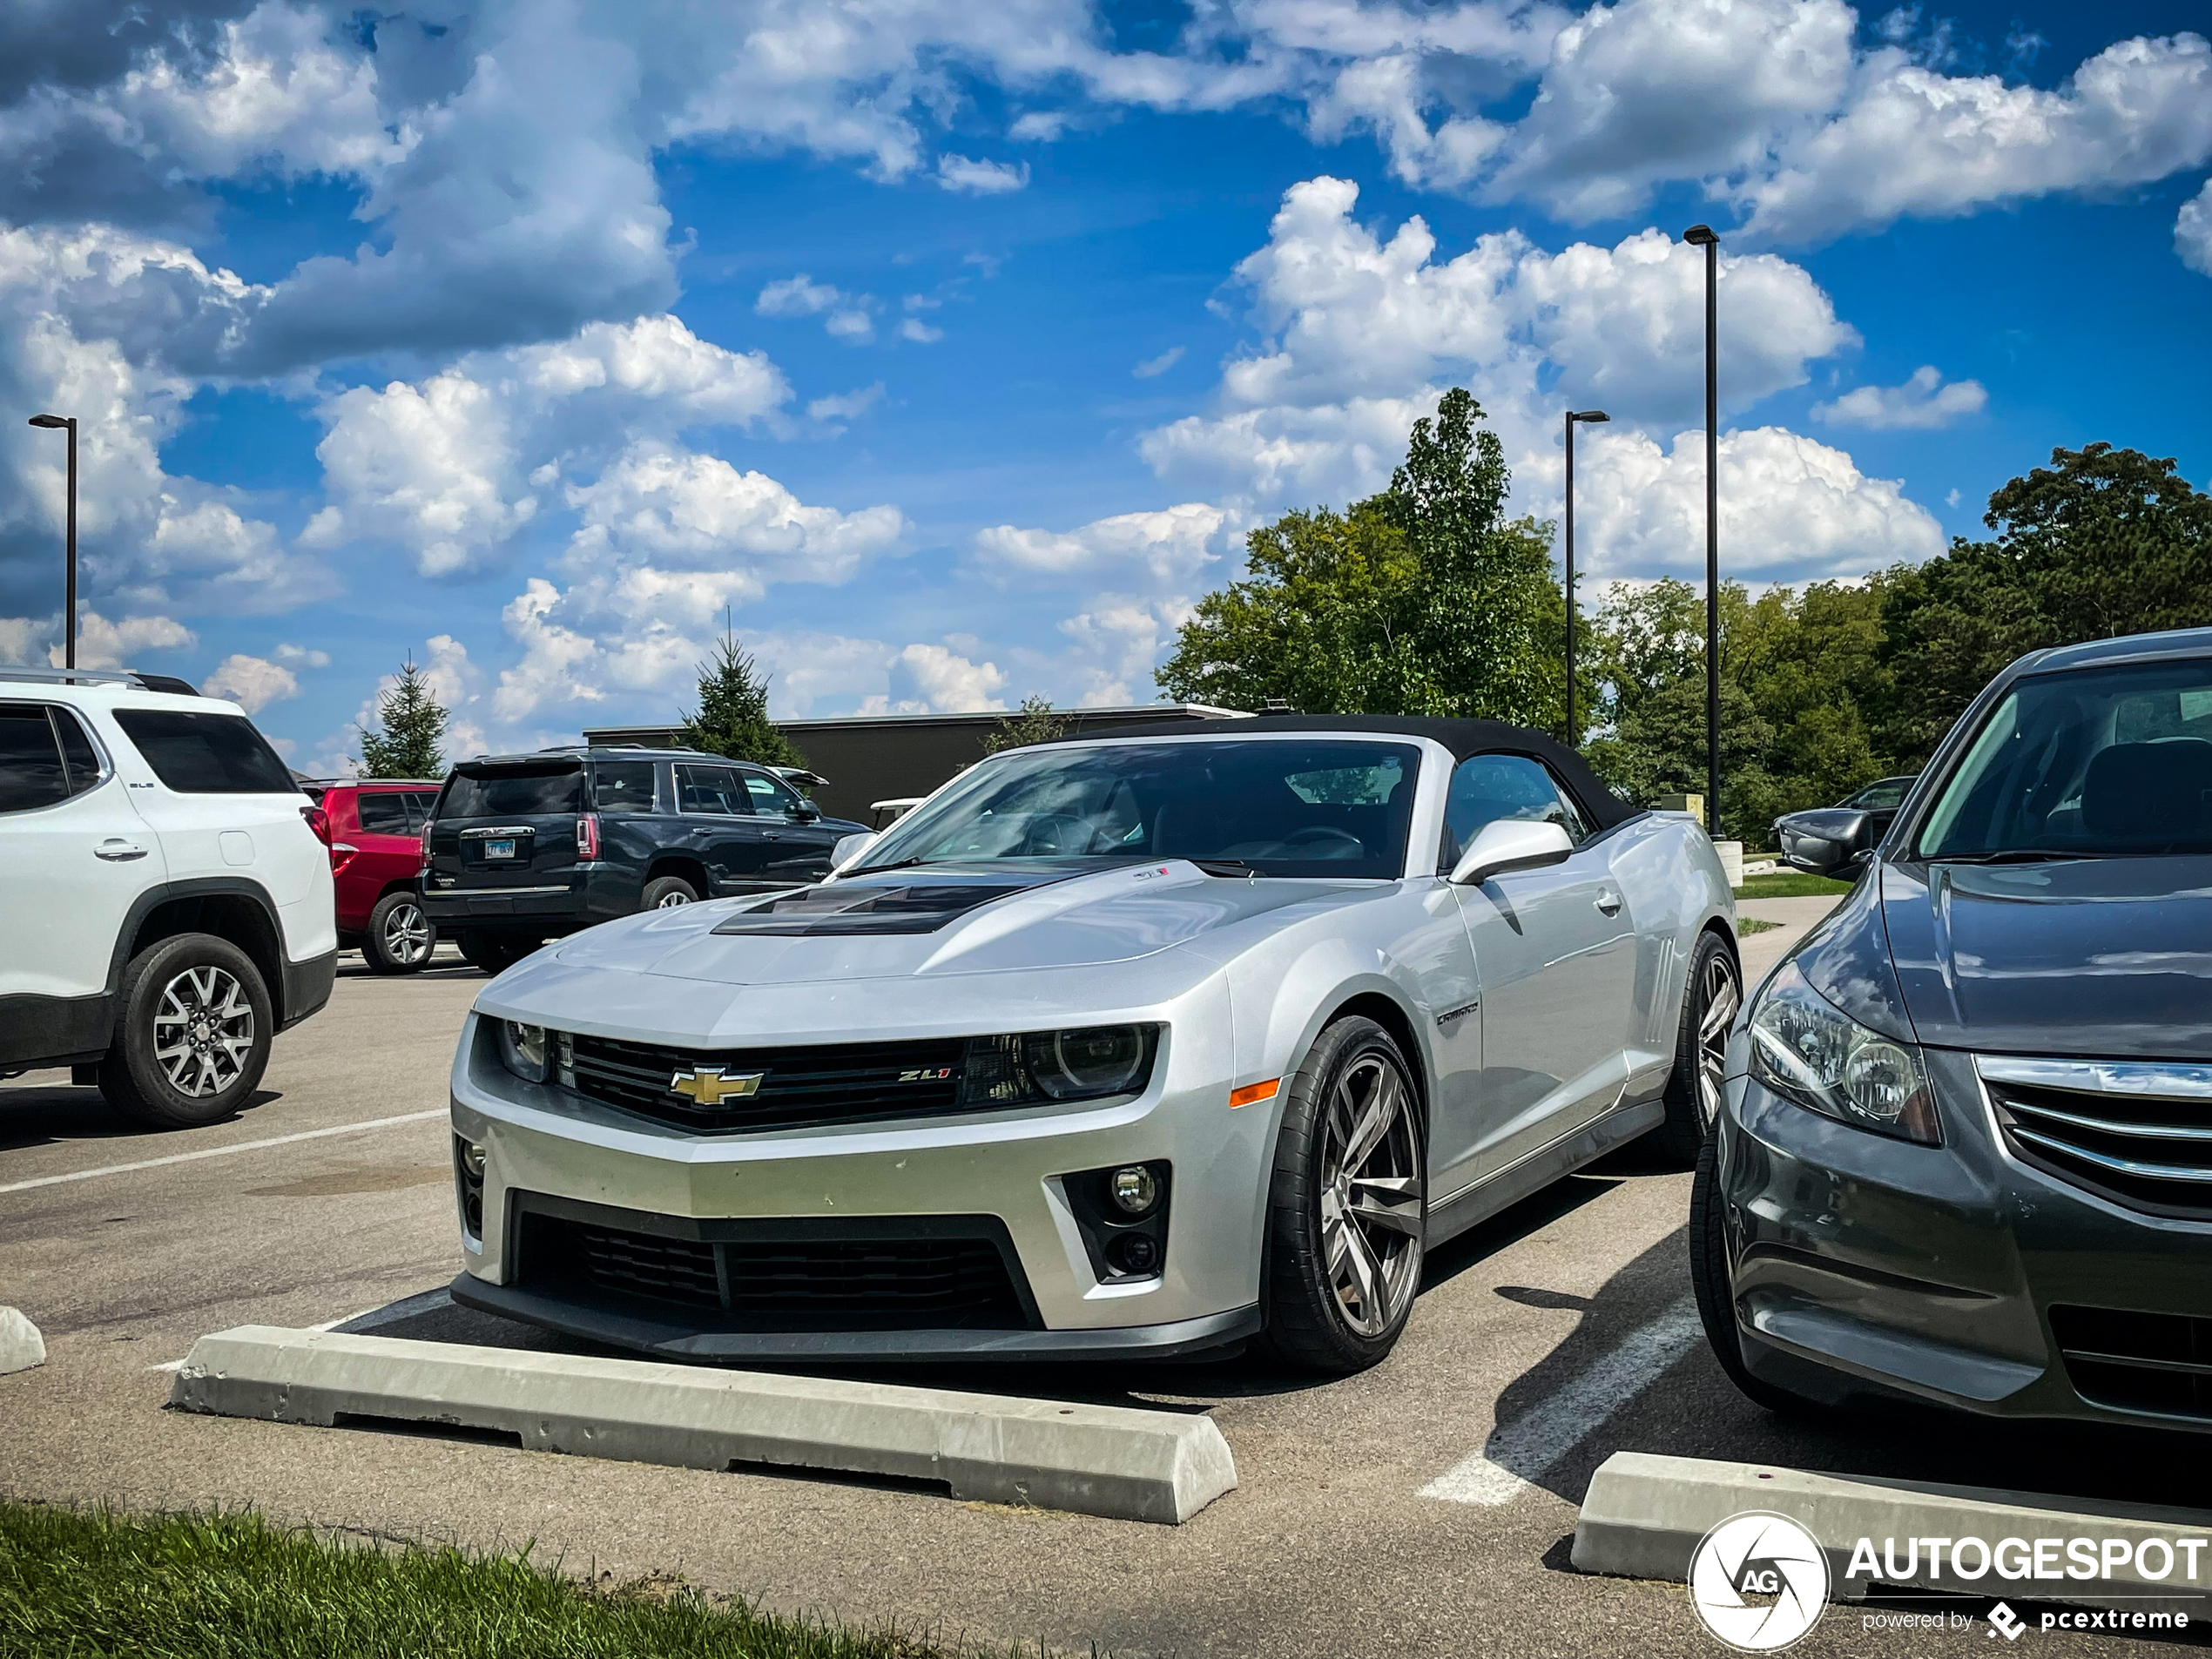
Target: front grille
842,1083
779,1277
2137,1132
2137,1362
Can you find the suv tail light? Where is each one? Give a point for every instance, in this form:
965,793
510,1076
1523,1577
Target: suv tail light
424,867
319,821
587,836
342,855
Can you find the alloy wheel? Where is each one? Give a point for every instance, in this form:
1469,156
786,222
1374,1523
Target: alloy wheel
1719,999
1371,1196
203,1031
407,934
669,900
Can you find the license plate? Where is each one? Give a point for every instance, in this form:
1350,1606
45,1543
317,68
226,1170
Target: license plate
499,849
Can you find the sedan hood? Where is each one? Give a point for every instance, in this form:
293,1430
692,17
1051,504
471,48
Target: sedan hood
898,924
2103,957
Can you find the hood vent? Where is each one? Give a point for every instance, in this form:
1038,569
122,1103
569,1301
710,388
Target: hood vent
846,909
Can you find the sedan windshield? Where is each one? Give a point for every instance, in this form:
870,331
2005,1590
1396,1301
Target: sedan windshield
2088,764
1274,807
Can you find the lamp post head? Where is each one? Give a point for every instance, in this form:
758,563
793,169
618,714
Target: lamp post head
1700,236
1590,416
52,422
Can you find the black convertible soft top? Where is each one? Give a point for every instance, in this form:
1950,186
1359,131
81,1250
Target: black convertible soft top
1464,738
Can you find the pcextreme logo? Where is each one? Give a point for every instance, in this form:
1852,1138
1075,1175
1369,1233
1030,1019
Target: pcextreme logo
1758,1582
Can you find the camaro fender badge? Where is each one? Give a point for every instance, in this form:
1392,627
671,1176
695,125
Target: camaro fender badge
925,1075
710,1085
1449,1015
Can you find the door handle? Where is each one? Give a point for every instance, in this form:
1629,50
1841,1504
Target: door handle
115,850
1608,901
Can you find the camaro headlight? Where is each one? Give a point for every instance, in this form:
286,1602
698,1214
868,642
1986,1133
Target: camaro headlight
1807,1049
1086,1063
524,1049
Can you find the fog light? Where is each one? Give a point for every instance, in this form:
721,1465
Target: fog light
1135,1253
1134,1189
472,1160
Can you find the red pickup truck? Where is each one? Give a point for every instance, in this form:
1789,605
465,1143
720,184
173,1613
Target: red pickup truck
375,827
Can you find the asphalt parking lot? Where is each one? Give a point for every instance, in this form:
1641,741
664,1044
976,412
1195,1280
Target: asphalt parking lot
1424,1506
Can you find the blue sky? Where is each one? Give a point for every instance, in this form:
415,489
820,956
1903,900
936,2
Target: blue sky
951,350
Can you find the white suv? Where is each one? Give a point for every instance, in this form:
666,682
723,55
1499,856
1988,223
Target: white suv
166,903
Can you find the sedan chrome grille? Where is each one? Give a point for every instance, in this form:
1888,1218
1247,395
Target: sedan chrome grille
2137,1132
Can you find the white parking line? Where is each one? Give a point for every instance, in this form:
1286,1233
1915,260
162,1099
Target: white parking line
1522,1449
221,1151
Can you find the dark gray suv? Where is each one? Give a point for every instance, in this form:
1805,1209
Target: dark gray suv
523,848
1964,1149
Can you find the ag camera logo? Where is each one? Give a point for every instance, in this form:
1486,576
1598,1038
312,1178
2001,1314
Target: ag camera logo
1758,1582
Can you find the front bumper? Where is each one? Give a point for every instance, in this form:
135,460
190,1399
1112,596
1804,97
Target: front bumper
553,1153
1862,1264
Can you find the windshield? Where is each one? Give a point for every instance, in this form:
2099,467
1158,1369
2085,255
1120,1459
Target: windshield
1313,808
2093,763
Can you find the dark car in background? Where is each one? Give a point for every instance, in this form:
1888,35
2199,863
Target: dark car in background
1964,1152
1879,800
523,848
375,834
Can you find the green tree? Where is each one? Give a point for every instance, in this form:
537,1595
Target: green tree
1424,599
2101,543
1033,722
411,726
732,716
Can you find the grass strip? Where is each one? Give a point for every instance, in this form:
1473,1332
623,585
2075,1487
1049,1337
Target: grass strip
211,1586
1746,925
1790,884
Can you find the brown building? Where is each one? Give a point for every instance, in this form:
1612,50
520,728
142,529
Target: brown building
868,758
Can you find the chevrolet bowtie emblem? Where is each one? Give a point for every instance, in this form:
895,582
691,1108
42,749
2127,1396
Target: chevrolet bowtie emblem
710,1085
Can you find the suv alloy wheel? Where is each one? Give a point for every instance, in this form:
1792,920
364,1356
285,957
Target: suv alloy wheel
194,1035
400,938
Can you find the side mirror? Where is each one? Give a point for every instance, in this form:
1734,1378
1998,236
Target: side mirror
806,813
1509,844
848,850
1826,840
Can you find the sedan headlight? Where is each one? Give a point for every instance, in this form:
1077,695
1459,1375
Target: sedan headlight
1087,1063
1807,1050
524,1049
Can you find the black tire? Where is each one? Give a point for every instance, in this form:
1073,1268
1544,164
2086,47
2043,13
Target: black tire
665,892
1711,1280
1309,1323
493,952
193,1037
401,939
1693,1088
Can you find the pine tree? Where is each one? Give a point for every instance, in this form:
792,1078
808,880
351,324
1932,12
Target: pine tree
413,722
732,718
1034,723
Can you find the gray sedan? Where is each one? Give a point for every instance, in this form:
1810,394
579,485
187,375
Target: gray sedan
1966,1150
1143,1045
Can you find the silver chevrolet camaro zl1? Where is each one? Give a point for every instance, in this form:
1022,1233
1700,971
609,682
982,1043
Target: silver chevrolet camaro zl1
1141,1046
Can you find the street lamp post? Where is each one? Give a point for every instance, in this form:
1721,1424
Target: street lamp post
1703,236
67,423
1592,416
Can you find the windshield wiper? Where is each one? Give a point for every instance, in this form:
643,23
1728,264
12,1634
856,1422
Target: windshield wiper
1222,867
895,864
2013,856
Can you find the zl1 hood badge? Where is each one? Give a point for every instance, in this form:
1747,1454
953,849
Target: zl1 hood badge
710,1085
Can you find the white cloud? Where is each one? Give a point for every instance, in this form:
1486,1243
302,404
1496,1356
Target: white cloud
453,467
846,406
1912,141
920,333
1924,402
1153,366
933,679
1171,546
1792,508
847,317
303,657
252,683
2193,231
102,643
981,178
1115,642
